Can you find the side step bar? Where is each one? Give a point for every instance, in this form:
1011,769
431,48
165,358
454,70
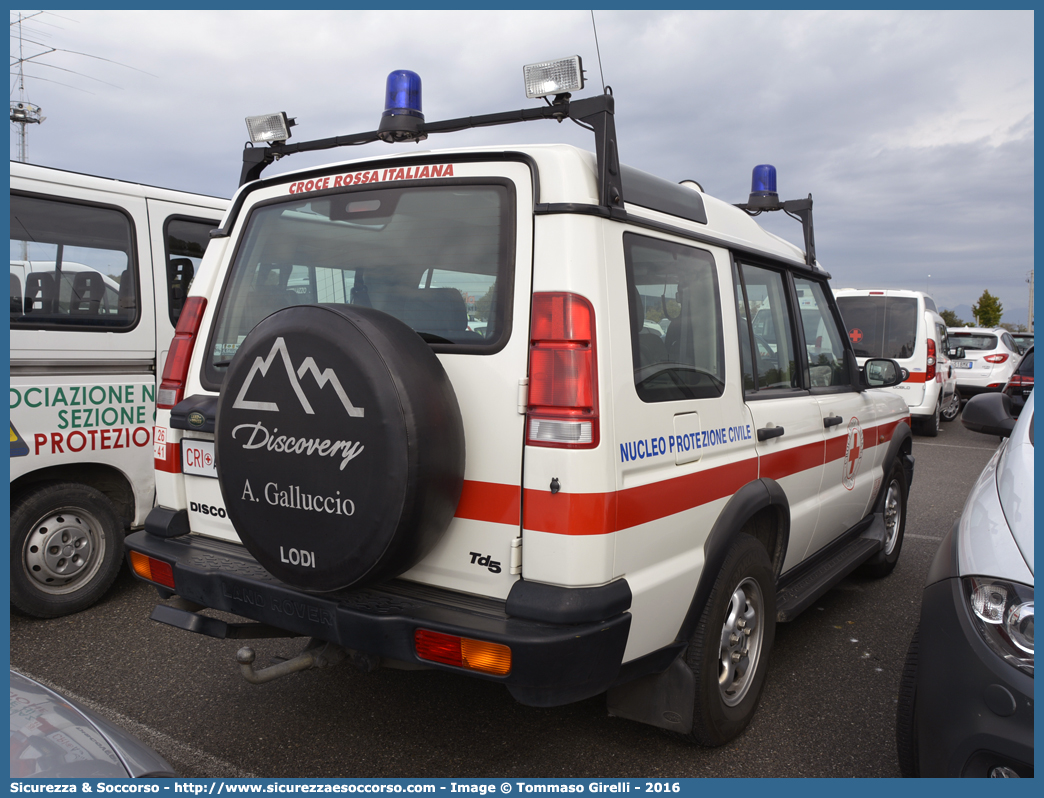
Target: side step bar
798,595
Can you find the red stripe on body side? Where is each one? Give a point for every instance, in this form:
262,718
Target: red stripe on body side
776,465
602,513
917,376
490,501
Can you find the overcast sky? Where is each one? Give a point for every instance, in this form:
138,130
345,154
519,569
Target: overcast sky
913,131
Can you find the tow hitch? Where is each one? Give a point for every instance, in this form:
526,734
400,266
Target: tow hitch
318,654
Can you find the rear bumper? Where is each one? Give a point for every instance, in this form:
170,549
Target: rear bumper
552,663
972,382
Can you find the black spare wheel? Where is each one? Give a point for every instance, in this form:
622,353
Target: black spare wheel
340,446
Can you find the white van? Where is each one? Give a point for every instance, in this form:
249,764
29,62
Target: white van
572,500
99,274
906,326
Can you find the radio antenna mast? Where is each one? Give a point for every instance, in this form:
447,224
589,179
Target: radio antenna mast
598,52
24,112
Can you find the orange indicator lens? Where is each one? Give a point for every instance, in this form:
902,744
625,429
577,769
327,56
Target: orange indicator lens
476,655
152,570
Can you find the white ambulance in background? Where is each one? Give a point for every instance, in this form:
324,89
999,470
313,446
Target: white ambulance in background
100,270
906,326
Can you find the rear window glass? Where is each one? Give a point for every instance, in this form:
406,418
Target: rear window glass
439,258
973,340
880,326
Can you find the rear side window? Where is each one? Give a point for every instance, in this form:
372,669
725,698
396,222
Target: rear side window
186,240
439,258
880,326
72,266
676,333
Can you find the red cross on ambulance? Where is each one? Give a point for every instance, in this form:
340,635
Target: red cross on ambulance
853,454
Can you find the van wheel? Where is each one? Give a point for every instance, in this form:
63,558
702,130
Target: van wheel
930,425
953,409
340,446
66,549
894,509
729,650
906,713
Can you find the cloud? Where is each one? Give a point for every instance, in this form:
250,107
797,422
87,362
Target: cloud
913,130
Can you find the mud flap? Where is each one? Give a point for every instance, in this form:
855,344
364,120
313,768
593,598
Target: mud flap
663,699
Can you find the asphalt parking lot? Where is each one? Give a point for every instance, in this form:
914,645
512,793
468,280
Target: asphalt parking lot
828,708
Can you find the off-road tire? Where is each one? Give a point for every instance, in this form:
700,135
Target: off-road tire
728,691
66,548
894,504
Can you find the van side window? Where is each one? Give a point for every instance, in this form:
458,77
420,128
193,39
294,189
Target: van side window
765,329
75,263
676,332
823,343
186,240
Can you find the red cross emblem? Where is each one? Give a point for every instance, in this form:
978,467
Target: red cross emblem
853,454
855,335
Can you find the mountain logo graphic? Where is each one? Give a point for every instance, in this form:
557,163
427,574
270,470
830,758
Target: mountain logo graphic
308,366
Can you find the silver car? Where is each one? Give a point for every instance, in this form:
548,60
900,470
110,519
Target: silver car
966,694
53,737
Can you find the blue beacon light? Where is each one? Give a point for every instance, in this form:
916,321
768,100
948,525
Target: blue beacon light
403,96
402,119
763,188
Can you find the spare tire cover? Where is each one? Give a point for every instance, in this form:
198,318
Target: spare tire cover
339,446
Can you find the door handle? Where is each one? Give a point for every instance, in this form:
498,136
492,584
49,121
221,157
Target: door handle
769,432
832,421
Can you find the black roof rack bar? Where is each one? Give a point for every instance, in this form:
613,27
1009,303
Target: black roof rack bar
595,113
797,209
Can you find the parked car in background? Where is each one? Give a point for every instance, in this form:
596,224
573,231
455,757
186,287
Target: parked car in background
56,738
906,326
966,694
1020,385
989,359
1023,341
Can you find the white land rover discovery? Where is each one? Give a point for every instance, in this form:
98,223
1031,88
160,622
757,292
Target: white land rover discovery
569,500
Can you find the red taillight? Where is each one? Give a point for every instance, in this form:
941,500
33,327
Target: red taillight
563,389
1018,379
995,358
930,375
172,388
152,569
